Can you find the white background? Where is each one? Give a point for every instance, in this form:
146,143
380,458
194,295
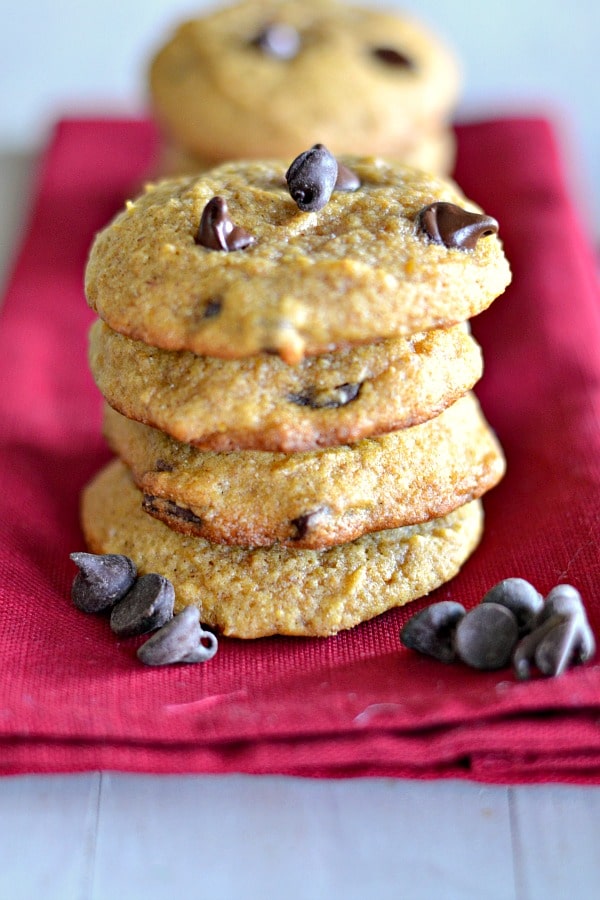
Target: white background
62,57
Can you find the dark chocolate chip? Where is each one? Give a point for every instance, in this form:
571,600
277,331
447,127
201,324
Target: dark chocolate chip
564,600
327,398
486,637
518,595
278,40
101,580
306,523
152,504
180,640
311,178
569,643
392,57
212,309
147,606
162,465
561,636
454,227
217,231
431,631
346,180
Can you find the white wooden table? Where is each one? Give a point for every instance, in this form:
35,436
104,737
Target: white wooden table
100,836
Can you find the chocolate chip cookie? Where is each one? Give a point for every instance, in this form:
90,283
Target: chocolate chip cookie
259,79
314,499
254,593
226,264
261,403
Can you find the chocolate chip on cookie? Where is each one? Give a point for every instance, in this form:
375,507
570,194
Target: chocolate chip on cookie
278,40
312,177
217,231
323,398
393,57
452,226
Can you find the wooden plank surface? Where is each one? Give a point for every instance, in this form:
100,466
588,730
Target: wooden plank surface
113,835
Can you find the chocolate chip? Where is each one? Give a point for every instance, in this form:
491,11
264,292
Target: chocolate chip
346,180
162,465
152,504
306,523
326,398
393,57
564,600
212,309
180,640
147,606
454,227
518,595
561,636
217,231
431,631
311,178
101,580
486,636
278,40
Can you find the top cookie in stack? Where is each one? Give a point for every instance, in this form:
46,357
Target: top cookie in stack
287,359
266,78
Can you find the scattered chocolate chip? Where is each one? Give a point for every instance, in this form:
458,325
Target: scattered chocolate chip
393,57
346,180
217,231
162,465
518,595
486,636
147,606
454,227
431,631
154,505
101,580
564,600
311,178
331,398
561,636
180,640
278,40
304,524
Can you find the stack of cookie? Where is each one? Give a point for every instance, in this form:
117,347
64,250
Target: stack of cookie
265,78
288,368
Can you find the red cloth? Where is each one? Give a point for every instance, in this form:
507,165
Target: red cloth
72,697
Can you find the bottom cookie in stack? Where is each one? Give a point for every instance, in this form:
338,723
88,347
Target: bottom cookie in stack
251,593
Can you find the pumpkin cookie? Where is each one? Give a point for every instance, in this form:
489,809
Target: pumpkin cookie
261,403
254,593
260,79
226,263
314,499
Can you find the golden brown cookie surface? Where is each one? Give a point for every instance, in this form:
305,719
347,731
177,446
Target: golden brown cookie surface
261,403
269,78
254,593
360,269
313,499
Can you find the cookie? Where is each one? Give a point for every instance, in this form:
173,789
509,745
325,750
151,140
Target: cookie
268,78
261,403
318,498
255,593
384,260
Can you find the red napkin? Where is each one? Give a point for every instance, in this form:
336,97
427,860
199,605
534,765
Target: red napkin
72,697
